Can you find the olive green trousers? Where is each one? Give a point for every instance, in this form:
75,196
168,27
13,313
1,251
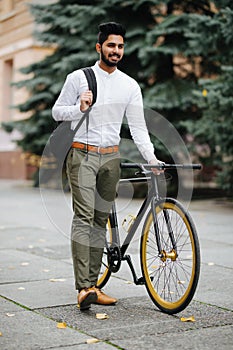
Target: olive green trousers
93,180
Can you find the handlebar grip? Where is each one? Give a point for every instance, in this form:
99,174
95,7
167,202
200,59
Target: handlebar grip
182,166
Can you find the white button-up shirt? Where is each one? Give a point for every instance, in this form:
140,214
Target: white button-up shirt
118,95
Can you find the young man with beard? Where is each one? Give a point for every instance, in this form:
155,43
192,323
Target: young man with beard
93,163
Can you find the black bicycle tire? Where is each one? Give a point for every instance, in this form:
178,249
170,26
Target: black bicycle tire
163,305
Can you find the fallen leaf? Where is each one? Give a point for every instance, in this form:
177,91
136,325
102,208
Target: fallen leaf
92,341
9,314
57,280
0,334
102,316
188,319
61,325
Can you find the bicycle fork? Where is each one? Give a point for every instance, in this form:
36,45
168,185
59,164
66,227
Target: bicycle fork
163,254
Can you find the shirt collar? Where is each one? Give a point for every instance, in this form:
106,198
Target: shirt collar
103,72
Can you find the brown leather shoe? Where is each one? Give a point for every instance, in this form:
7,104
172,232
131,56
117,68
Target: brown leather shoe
86,297
103,298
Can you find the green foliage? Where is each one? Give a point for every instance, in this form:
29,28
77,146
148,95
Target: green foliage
174,49
71,27
173,94
215,127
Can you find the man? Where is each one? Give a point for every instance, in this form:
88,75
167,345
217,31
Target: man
93,162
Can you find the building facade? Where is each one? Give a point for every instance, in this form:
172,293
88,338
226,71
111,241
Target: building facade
18,49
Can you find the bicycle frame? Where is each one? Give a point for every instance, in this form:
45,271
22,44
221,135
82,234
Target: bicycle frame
152,199
142,210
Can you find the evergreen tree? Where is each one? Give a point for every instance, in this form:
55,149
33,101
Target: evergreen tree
214,93
72,27
171,47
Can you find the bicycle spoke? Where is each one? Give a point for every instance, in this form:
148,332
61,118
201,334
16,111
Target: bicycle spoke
172,274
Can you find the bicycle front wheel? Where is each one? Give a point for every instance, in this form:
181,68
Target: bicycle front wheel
171,275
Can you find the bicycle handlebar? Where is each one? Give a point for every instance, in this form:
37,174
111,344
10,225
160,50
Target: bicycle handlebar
161,167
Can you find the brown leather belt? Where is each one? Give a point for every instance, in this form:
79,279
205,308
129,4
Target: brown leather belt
96,149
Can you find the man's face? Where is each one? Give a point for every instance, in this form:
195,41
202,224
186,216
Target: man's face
112,50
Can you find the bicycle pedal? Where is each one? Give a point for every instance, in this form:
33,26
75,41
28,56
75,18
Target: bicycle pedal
140,281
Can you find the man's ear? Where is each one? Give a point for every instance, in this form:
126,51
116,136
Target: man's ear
98,47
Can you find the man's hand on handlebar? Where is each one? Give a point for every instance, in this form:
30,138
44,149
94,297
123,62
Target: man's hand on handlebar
157,162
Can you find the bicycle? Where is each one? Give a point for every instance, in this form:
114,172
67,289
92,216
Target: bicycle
169,246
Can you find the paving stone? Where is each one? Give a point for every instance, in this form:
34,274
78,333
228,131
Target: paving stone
28,330
7,307
136,318
215,286
35,248
40,293
18,266
29,237
199,339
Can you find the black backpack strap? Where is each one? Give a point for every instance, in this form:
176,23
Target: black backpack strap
91,79
92,85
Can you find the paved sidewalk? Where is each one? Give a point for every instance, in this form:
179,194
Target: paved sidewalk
37,287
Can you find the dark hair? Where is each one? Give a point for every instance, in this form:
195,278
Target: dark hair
106,29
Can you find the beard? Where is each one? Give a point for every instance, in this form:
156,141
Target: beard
106,60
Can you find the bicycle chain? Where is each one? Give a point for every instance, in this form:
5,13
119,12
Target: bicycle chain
114,258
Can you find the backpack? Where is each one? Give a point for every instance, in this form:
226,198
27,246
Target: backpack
61,139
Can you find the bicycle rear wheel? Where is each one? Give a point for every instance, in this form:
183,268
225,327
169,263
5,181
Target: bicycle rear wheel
171,277
105,273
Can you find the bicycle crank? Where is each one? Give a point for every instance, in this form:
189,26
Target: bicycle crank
114,258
